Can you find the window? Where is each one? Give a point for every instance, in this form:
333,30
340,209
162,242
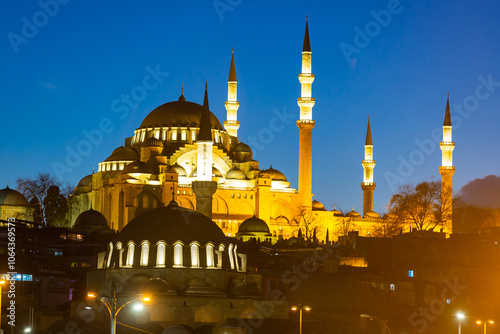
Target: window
145,254
210,255
110,254
177,255
160,254
230,253
130,254
195,255
392,287
410,273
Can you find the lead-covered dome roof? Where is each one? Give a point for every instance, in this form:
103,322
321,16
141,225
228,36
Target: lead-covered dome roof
172,223
12,197
123,154
253,225
273,174
178,113
91,218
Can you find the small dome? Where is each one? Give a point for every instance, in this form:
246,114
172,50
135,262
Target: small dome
179,169
236,174
318,206
85,181
91,218
123,154
152,142
253,225
198,286
215,172
12,197
372,214
353,214
245,290
242,152
273,174
138,167
337,213
156,286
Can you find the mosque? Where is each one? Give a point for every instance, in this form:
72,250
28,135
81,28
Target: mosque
182,152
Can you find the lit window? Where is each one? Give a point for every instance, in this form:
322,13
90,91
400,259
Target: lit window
157,134
448,301
210,256
120,250
178,255
145,254
392,287
183,135
160,254
230,253
110,254
174,135
195,255
130,254
410,273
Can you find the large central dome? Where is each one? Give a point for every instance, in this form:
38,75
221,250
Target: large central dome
176,114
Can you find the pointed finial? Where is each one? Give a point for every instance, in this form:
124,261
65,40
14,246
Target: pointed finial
92,170
232,50
307,18
368,140
232,69
205,127
307,44
271,166
447,114
182,98
7,185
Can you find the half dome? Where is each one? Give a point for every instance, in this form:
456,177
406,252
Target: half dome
85,181
138,167
236,174
178,113
273,174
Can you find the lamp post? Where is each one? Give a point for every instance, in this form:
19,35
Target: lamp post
113,308
371,317
2,282
479,322
300,308
460,316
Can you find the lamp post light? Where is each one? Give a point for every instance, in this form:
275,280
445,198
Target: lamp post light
113,308
371,317
300,308
479,322
460,317
2,282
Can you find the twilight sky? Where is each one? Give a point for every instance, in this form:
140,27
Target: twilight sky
70,72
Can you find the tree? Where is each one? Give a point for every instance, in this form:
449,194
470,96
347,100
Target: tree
473,219
344,226
56,207
307,220
35,190
388,227
421,206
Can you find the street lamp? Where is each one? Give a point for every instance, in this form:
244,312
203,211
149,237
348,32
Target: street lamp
485,323
2,282
111,305
460,316
300,308
371,317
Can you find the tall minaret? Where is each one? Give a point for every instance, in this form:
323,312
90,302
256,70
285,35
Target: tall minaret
305,125
231,124
204,187
447,170
368,163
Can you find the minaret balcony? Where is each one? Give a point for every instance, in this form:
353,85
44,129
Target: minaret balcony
447,146
306,102
306,78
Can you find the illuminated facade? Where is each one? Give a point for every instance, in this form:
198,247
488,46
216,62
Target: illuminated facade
182,151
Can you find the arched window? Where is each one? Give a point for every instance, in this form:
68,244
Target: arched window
160,254
236,258
210,255
174,135
230,253
195,255
130,254
119,248
144,254
109,255
178,261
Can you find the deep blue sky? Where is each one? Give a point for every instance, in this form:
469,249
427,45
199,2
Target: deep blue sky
64,79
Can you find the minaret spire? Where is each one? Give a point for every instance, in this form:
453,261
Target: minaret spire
231,124
447,170
368,164
204,187
305,125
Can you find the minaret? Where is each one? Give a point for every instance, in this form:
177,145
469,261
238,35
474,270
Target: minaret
305,125
447,170
231,124
204,187
368,164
